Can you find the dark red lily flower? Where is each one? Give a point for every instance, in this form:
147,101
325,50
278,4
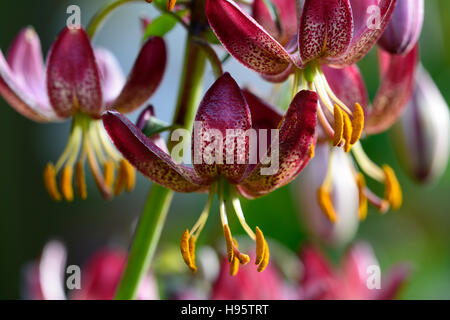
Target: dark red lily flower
45,278
352,280
224,108
79,83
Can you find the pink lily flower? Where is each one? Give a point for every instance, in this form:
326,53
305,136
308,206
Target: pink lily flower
225,107
79,83
45,278
356,279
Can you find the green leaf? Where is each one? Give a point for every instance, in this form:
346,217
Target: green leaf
160,26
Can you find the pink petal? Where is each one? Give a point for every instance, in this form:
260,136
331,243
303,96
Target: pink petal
364,37
245,39
325,29
73,78
392,285
296,134
348,85
22,80
223,108
145,77
287,13
111,75
397,84
147,157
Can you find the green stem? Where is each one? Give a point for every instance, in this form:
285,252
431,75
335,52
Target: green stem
153,217
100,16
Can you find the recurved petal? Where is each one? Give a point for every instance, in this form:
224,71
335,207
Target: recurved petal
145,77
20,98
287,14
73,78
347,83
325,29
111,75
404,29
27,65
371,18
296,133
397,84
150,160
245,39
215,147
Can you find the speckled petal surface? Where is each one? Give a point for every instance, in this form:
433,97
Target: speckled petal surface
73,78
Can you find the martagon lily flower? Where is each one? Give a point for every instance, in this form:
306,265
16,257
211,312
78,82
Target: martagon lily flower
330,38
225,107
79,83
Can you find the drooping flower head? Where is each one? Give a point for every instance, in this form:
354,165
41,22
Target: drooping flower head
329,39
226,130
79,83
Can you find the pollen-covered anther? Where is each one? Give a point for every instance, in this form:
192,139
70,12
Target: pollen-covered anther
229,242
187,246
357,123
326,204
130,175
50,182
338,125
347,134
393,191
311,151
66,183
108,168
171,4
262,250
363,203
80,180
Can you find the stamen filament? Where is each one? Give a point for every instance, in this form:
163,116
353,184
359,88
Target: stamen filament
240,214
200,224
330,92
367,165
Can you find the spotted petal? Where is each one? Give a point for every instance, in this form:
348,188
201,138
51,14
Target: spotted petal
145,76
397,84
325,29
371,18
245,39
147,157
22,78
73,78
222,109
296,133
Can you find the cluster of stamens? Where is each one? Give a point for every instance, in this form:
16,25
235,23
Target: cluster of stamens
234,256
88,141
343,128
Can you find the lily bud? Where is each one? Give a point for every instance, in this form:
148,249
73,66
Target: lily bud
343,192
421,136
405,26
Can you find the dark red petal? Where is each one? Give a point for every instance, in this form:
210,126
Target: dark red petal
365,34
264,116
148,158
397,84
295,136
73,78
326,29
245,39
145,76
222,108
348,85
287,13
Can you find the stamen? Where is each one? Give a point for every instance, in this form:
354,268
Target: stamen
347,135
240,214
120,182
329,91
311,151
98,177
229,242
326,204
66,183
50,182
80,180
393,190
108,168
357,123
362,210
186,251
171,4
260,245
192,241
129,174
370,168
324,121
234,267
338,125
265,260
381,204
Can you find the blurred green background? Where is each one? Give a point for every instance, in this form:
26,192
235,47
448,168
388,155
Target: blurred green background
418,233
